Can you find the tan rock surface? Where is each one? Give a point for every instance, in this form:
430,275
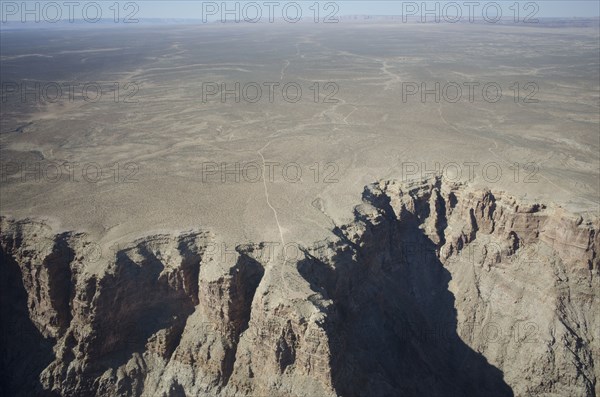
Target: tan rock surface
433,288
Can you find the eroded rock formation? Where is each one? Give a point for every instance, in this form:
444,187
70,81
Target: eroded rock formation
434,289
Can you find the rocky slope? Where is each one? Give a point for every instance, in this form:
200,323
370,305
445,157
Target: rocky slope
434,289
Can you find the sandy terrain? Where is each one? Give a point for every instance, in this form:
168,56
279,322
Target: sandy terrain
169,143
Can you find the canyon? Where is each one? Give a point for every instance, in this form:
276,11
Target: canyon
435,288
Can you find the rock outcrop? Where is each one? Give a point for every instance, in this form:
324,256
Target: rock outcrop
434,289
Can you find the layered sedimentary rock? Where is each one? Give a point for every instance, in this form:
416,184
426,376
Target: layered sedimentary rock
433,289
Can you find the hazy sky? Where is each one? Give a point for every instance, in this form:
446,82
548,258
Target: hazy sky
547,8
17,10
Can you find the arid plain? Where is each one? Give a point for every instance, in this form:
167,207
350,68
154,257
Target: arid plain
170,144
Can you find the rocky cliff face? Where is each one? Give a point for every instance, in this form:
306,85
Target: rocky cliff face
434,289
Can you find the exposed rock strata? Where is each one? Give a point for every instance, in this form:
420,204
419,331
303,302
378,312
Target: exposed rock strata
433,289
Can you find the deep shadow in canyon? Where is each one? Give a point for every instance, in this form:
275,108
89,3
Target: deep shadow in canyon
24,351
394,327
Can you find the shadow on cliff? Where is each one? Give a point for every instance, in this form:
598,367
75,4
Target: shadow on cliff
23,349
140,300
394,329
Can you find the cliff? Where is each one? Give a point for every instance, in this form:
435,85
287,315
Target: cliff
434,289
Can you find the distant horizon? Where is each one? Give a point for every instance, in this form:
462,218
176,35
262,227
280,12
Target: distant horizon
343,19
31,11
